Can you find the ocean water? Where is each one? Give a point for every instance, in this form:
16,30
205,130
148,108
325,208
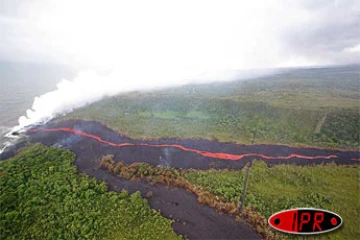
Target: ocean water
20,83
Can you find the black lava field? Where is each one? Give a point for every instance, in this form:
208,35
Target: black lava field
88,137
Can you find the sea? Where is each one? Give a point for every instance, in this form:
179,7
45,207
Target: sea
20,83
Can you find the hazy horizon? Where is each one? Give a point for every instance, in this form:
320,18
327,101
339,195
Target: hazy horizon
143,45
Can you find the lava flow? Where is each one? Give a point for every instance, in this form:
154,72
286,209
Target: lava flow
217,155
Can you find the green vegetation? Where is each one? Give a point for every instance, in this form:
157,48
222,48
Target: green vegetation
42,197
331,187
176,177
286,108
226,183
168,176
306,107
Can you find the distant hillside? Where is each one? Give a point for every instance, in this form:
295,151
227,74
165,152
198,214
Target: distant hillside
316,107
339,78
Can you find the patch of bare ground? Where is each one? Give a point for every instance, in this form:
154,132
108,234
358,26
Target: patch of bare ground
320,123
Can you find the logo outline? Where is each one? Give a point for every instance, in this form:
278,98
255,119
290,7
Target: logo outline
306,233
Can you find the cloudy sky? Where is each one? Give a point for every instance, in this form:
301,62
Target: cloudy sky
202,35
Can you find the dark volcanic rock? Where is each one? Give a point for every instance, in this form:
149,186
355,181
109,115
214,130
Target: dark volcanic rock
11,150
176,157
194,220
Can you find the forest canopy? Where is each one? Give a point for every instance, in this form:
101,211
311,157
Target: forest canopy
43,197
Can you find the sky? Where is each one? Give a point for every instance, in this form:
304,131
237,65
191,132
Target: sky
123,46
180,36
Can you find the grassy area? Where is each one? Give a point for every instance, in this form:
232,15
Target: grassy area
42,197
331,187
303,107
176,177
286,108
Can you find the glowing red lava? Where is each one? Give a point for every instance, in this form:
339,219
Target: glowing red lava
218,155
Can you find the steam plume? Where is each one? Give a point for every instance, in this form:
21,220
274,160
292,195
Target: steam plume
89,87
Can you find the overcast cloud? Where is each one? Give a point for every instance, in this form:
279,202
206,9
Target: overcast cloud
155,44
181,34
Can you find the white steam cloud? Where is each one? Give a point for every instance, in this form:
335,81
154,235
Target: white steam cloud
149,45
157,44
89,86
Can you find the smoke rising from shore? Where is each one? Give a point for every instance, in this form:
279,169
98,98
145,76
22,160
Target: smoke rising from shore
159,44
89,86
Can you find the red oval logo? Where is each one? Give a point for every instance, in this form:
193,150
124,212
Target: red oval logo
305,221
